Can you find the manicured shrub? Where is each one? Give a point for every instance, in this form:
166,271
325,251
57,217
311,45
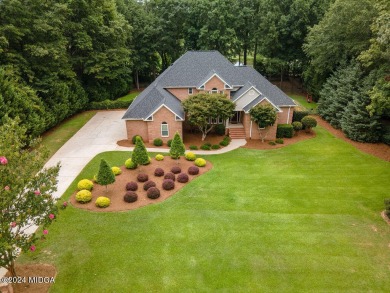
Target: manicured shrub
182,178
105,175
215,146
193,170
175,169
85,184
159,157
140,155
149,184
116,170
284,130
168,184
130,196
279,141
207,143
193,147
219,129
153,193
298,115
272,143
169,142
177,147
134,138
83,196
297,126
108,104
190,156
205,147
132,186
157,142
102,202
200,162
130,165
225,141
159,172
142,177
308,123
170,176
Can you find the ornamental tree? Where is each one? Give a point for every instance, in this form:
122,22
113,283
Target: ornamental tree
25,192
265,117
140,155
202,107
105,175
308,123
177,147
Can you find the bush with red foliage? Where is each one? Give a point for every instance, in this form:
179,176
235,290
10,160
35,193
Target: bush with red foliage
153,193
176,170
168,184
182,178
193,170
170,176
142,177
132,186
159,172
148,184
130,196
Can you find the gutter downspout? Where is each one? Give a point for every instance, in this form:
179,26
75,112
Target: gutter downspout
250,131
288,115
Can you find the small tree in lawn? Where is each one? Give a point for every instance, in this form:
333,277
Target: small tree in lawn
140,156
177,147
202,107
265,117
308,123
105,175
25,192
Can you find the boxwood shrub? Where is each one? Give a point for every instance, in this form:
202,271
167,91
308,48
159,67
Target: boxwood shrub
130,196
200,162
182,178
190,156
148,184
159,172
102,202
225,141
284,130
153,193
157,142
83,196
142,177
215,146
170,176
159,157
85,184
129,164
298,115
279,141
193,170
116,170
193,147
168,184
205,147
219,129
132,186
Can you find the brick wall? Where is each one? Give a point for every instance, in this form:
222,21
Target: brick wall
154,127
137,127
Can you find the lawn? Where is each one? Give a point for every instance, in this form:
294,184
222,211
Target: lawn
304,218
302,101
129,97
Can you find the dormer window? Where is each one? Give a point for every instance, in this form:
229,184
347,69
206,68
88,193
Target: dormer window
226,86
190,91
202,87
150,118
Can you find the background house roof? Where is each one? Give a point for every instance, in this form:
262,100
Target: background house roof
193,69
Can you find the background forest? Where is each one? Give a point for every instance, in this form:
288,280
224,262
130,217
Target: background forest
58,56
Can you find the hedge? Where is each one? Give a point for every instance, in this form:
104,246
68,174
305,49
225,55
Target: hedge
284,130
298,115
108,104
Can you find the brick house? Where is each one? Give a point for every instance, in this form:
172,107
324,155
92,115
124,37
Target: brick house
157,112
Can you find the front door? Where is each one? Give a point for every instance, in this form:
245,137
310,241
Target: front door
236,118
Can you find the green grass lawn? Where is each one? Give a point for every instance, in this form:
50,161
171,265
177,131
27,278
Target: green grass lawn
55,138
304,218
302,101
129,97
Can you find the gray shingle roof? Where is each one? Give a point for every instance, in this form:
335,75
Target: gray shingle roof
192,70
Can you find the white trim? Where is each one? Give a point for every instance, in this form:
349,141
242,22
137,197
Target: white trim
220,78
147,119
190,89
265,98
163,105
250,130
251,88
288,115
161,129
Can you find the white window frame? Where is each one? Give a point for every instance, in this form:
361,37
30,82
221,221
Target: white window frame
214,90
164,130
190,91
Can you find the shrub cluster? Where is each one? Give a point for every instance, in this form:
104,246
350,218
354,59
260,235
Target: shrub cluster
279,141
298,115
284,130
159,172
130,196
225,141
83,196
170,176
215,146
193,147
159,157
175,169
182,178
168,184
219,129
153,193
205,147
116,170
200,162
134,138
190,156
142,177
193,170
130,165
102,202
132,186
148,184
157,142
108,104
85,184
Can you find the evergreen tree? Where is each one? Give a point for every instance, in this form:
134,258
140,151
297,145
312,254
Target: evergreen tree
140,155
105,175
177,147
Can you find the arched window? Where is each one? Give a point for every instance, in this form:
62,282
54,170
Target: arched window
214,90
164,129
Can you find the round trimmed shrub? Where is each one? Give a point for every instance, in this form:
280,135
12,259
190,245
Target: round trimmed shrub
215,146
309,122
190,156
83,196
148,184
205,147
130,165
297,125
116,170
168,184
153,193
193,147
175,169
193,170
182,178
133,140
85,184
130,196
159,157
200,162
158,142
159,172
132,186
170,176
102,202
142,177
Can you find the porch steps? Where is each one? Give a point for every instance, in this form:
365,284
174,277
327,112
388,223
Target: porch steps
237,133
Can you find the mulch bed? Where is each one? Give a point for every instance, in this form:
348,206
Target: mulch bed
117,190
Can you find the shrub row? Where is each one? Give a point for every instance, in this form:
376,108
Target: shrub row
284,130
298,115
108,104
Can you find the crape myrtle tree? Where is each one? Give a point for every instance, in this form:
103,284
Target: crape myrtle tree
25,192
265,117
105,175
177,147
202,107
